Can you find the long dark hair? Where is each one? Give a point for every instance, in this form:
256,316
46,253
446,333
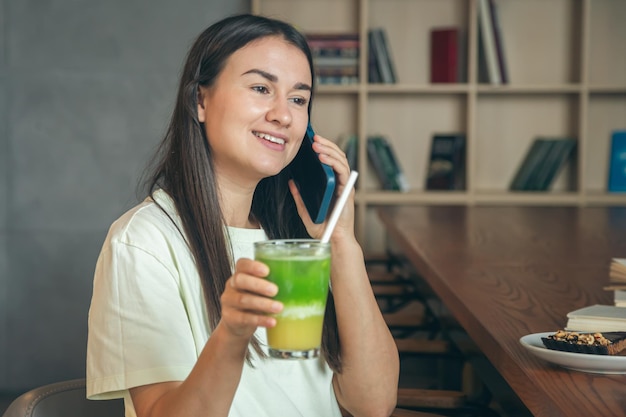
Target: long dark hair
183,167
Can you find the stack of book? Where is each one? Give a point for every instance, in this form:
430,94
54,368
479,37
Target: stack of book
617,281
544,160
617,271
335,57
492,67
604,318
381,68
597,318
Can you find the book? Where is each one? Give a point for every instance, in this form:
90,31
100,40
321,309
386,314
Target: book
385,163
619,298
597,318
334,44
388,67
381,55
556,158
530,165
617,277
617,281
386,180
617,162
337,79
389,156
538,172
498,42
483,73
335,57
343,64
487,42
444,55
617,270
373,74
446,164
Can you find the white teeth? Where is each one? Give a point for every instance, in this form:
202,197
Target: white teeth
270,138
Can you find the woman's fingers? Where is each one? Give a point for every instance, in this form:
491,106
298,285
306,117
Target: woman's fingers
243,323
250,276
331,154
246,301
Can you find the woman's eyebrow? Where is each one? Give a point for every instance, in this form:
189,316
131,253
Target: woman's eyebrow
273,78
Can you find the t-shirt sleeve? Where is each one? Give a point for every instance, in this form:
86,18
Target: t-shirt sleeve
139,332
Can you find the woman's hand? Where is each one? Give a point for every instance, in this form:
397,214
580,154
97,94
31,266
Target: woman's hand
329,154
246,300
246,304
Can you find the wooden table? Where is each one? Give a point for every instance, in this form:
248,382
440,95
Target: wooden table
505,272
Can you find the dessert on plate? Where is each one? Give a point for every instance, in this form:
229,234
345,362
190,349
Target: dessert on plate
607,343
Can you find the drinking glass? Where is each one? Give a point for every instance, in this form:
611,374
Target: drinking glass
301,270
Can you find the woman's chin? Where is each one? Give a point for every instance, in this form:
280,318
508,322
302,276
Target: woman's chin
271,170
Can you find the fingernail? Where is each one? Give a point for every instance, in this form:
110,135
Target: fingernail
276,306
272,290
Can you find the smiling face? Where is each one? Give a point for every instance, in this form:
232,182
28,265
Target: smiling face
255,115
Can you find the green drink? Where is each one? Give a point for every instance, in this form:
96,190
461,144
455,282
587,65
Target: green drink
301,270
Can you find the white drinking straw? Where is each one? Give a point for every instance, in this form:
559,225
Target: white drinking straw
334,216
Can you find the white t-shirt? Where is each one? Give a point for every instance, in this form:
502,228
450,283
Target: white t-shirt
148,322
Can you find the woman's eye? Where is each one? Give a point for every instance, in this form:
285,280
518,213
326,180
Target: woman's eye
300,101
260,89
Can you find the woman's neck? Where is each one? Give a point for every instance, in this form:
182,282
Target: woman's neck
236,204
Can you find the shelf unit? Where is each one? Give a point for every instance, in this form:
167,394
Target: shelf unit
567,66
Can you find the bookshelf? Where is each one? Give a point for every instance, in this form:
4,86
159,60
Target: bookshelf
567,70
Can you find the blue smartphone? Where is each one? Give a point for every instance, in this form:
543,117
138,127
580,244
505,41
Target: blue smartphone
315,180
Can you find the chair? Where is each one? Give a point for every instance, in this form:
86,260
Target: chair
62,399
405,310
419,331
68,399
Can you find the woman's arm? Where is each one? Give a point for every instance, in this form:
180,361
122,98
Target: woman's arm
211,385
368,383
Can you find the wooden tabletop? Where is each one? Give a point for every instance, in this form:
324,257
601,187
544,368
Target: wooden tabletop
505,272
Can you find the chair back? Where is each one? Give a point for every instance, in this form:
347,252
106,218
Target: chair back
62,399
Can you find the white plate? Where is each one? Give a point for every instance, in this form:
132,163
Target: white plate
599,364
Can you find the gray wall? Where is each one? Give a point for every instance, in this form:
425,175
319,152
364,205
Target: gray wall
86,88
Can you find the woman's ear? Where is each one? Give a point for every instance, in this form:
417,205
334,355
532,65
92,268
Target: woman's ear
201,108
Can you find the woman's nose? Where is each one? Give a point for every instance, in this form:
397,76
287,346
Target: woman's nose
280,112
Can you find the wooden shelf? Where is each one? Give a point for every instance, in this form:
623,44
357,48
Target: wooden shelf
530,89
568,78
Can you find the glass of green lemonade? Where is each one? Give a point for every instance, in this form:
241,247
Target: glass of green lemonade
301,270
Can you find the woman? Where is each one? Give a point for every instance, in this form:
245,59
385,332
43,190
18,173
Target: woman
178,308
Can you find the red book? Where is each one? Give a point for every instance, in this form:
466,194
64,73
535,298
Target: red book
444,44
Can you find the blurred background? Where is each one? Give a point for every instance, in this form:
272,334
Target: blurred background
86,89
